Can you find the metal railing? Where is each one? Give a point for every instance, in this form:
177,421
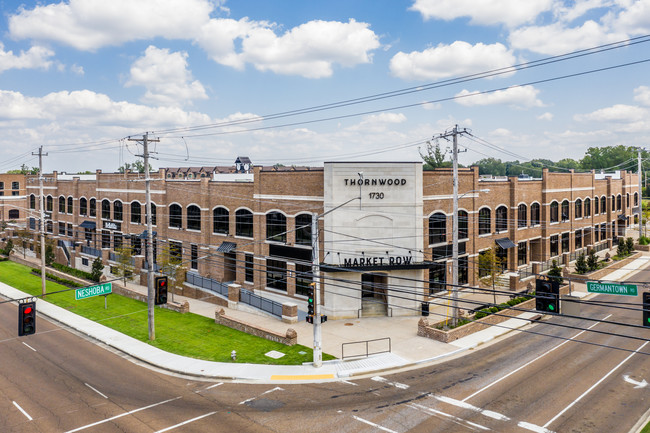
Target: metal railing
91,251
207,283
64,247
366,348
249,298
115,257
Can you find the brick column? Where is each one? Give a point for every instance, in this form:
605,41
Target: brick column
233,295
289,312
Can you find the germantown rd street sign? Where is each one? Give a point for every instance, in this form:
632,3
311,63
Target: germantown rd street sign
87,292
611,288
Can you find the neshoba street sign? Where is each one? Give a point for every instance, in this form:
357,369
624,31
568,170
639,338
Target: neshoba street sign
87,292
611,288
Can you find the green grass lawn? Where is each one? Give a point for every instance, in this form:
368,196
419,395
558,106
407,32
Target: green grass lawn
184,334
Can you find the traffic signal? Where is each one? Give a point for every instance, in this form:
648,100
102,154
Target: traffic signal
547,296
26,318
161,291
323,318
646,309
310,304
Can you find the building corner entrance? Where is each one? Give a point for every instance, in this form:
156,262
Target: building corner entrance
373,295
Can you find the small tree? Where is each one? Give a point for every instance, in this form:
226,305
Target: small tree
9,246
621,249
581,264
629,244
170,265
97,269
25,236
555,273
49,252
124,268
592,261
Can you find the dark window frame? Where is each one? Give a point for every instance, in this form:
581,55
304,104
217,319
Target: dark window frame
220,220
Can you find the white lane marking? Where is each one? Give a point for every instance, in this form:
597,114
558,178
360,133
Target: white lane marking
209,387
637,384
277,388
350,383
29,346
533,427
594,385
395,384
121,415
533,360
463,405
374,425
95,390
446,415
23,411
185,422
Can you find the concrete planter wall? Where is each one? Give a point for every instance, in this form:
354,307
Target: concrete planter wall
600,273
289,339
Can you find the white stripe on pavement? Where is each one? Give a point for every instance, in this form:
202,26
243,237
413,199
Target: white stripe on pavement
185,422
23,411
374,425
29,346
95,390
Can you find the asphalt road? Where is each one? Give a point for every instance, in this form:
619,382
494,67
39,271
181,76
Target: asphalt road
56,381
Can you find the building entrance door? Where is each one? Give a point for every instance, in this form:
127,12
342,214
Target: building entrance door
230,267
373,295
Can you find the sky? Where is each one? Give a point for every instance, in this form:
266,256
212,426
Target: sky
299,82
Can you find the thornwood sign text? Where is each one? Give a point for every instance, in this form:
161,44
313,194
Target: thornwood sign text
377,261
374,182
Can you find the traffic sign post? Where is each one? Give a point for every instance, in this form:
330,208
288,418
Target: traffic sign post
88,292
612,288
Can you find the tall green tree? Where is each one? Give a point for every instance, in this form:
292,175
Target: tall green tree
434,157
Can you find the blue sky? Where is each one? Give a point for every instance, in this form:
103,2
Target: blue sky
79,76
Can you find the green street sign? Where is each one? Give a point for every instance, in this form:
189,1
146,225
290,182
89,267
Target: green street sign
87,292
611,288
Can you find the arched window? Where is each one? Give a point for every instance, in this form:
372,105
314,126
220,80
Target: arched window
534,214
303,229
627,200
437,228
193,217
613,203
153,214
106,209
501,219
136,212
565,210
522,215
554,212
636,199
14,214
276,227
117,210
587,207
603,204
220,221
83,206
578,208
596,203
463,227
32,201
92,207
484,221
175,216
619,205
48,202
70,207
244,223
61,204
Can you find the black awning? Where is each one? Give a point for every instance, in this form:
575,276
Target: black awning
88,225
505,243
143,235
226,247
622,217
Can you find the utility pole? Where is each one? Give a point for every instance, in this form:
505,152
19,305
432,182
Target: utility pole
42,206
315,269
149,237
454,249
638,149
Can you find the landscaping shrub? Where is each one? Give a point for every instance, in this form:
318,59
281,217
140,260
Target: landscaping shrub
62,281
72,271
581,264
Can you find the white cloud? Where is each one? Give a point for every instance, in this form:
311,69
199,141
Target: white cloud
642,95
576,9
557,39
309,50
431,106
378,122
618,113
79,70
166,77
546,116
92,24
524,96
484,12
35,57
459,58
634,19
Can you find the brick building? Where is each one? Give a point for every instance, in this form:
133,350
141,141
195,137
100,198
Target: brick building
12,197
384,238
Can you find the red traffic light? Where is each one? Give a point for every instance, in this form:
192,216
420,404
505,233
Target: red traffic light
27,310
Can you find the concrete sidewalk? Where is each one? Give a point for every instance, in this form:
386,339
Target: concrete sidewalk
407,349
